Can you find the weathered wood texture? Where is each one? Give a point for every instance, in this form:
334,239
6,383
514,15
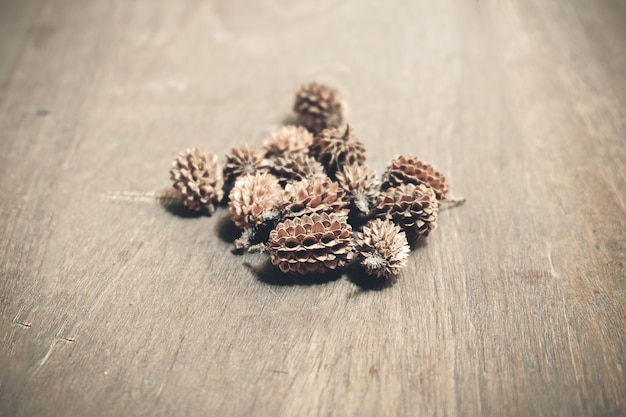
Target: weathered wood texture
112,305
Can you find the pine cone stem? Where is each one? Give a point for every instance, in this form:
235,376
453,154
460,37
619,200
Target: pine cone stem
346,134
362,204
258,248
270,216
451,202
247,235
375,262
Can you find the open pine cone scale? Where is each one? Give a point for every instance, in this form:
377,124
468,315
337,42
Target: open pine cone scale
311,244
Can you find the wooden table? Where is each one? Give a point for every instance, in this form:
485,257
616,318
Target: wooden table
111,304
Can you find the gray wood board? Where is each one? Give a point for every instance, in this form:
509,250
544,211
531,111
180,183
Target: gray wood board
112,304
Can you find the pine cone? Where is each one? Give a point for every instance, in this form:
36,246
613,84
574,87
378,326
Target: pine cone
407,169
311,244
296,167
382,248
289,139
412,207
314,195
361,186
319,106
254,200
337,147
244,160
198,179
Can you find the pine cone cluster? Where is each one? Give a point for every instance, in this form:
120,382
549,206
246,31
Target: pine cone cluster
244,160
362,187
198,179
311,244
412,207
288,140
337,147
306,195
254,200
382,248
296,167
319,107
314,195
407,169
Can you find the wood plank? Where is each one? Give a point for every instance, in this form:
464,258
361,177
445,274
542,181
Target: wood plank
110,304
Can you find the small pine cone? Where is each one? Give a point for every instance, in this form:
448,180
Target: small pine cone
336,148
198,179
311,244
296,167
361,186
382,248
407,169
287,140
319,106
254,200
412,207
314,195
244,160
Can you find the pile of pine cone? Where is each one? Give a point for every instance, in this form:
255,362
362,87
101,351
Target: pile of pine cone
303,195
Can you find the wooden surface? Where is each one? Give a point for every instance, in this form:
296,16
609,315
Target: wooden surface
113,305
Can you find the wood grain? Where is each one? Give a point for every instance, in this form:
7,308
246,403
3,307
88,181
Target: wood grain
111,304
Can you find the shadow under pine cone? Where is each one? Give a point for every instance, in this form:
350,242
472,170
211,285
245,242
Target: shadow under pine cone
226,229
172,204
271,275
359,277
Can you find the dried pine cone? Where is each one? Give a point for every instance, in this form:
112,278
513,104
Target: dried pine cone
198,179
337,147
407,169
244,160
296,167
254,200
412,207
311,244
314,195
382,248
319,106
286,140
361,186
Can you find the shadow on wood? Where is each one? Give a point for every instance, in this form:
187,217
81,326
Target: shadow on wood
418,243
271,275
226,229
171,203
359,277
291,120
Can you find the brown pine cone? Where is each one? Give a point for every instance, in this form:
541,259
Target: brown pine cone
288,139
314,195
361,186
412,207
244,160
198,179
408,169
382,248
319,106
336,148
296,167
311,244
254,200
